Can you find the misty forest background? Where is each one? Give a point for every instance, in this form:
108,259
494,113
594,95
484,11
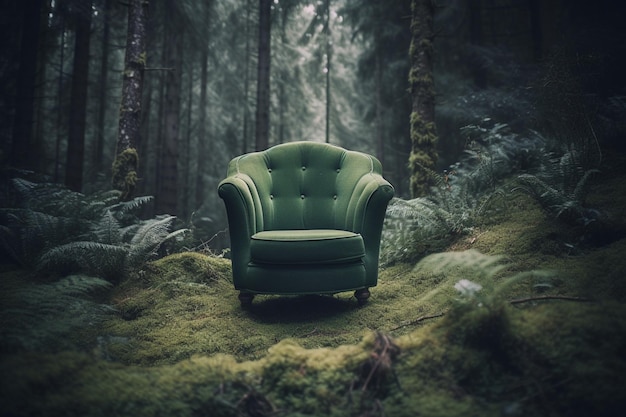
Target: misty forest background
339,71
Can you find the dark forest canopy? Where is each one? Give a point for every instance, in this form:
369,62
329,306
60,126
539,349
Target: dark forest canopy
339,71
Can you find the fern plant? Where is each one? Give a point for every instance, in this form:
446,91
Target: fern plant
424,225
560,189
495,151
478,315
479,279
43,317
77,244
462,195
58,232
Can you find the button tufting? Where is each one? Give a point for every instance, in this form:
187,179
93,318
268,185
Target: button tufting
335,197
269,170
338,169
271,196
302,196
304,168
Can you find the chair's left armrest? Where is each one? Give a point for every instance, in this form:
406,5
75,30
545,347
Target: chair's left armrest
239,194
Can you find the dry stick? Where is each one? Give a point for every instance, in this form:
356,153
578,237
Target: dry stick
378,362
517,301
311,333
549,297
434,316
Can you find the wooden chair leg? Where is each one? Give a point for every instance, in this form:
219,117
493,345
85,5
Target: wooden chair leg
245,298
362,295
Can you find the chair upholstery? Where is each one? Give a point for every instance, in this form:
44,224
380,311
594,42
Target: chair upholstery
305,218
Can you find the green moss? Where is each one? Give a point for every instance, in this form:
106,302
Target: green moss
124,172
181,345
142,59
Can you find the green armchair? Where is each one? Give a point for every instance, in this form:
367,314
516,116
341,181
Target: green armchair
305,218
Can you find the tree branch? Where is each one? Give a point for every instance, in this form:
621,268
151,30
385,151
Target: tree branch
412,322
549,297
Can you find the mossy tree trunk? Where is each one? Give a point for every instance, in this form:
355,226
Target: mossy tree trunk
423,132
126,159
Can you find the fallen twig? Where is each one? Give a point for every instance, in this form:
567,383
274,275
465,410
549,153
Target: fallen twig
311,333
549,297
412,322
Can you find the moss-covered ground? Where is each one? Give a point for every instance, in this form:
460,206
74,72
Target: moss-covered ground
179,344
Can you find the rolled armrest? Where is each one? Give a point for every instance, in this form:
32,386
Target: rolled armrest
369,201
369,205
244,219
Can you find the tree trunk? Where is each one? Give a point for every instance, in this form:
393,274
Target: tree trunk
22,149
478,70
167,191
263,81
328,61
282,79
98,158
246,84
60,102
78,101
202,119
378,80
534,7
423,156
189,167
126,159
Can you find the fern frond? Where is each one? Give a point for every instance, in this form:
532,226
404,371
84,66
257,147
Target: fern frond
488,266
582,187
42,317
567,201
107,229
26,233
124,207
108,198
149,236
50,198
87,257
547,196
81,285
412,226
152,231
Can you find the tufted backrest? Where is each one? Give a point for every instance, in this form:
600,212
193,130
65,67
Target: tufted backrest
305,185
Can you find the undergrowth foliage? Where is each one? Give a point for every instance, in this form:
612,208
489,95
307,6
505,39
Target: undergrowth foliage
561,187
72,245
462,194
40,316
56,231
488,273
555,175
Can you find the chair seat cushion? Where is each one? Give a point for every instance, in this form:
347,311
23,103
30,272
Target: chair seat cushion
312,246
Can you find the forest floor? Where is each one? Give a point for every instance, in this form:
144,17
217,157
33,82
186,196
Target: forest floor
545,336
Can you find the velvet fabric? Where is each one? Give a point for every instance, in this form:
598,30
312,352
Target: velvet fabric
305,218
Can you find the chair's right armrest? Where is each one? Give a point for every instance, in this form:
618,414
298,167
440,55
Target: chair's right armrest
243,210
